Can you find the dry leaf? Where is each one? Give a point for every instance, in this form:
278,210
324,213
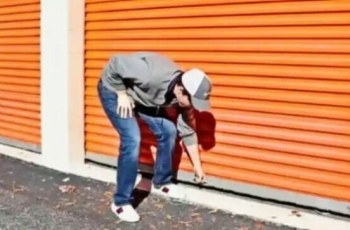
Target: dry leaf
108,195
195,214
159,206
296,213
70,203
67,188
168,217
18,188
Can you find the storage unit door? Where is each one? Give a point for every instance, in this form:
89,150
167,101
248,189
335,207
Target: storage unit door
20,73
280,69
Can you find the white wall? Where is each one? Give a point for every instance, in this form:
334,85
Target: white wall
62,83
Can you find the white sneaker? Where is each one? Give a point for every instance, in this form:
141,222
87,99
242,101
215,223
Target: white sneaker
170,191
125,213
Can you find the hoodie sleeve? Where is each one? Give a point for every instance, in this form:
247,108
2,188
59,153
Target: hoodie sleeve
112,74
186,126
123,67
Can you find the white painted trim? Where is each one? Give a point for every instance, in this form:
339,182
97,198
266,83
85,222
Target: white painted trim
214,200
62,83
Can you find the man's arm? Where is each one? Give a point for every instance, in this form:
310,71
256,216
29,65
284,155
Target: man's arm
186,125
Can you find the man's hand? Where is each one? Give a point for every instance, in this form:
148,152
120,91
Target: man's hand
125,105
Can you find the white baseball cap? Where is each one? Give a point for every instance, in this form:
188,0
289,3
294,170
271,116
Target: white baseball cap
198,85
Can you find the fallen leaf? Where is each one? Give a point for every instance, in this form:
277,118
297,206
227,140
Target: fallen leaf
18,188
296,213
168,217
159,206
70,203
185,222
67,188
108,195
195,214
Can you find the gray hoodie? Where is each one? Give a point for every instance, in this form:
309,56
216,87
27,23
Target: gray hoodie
146,77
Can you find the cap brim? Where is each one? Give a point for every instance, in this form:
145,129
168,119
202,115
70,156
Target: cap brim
200,105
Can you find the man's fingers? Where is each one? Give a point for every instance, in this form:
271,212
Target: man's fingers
130,109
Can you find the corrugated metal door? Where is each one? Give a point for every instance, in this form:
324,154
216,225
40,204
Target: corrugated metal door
20,73
282,82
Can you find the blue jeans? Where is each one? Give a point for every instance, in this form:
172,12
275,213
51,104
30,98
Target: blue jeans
130,138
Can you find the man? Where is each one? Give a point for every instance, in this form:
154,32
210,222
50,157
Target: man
141,85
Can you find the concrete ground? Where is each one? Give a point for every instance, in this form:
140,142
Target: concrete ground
36,198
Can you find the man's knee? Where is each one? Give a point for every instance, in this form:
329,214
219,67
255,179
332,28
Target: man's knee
169,130
131,141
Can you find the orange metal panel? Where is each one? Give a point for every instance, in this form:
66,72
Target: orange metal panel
321,111
20,70
256,45
29,49
20,105
20,128
20,80
19,17
22,73
20,9
244,152
197,2
252,165
232,173
20,113
245,58
20,89
225,21
20,136
20,121
281,84
223,33
213,9
20,57
297,148
19,33
331,73
283,95
311,85
19,25
23,96
120,5
20,65
20,41
18,3
294,122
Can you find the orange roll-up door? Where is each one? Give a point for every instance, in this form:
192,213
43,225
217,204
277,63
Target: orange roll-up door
20,73
281,74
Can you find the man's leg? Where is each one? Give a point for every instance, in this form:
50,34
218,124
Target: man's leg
165,132
129,133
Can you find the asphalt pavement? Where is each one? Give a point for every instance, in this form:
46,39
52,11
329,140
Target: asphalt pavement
37,198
